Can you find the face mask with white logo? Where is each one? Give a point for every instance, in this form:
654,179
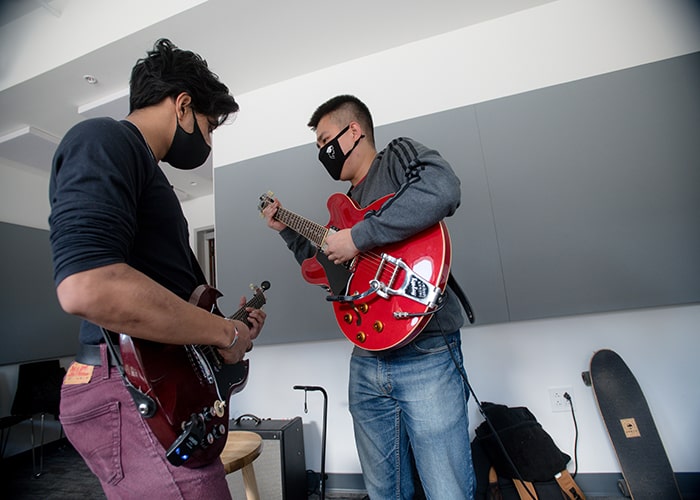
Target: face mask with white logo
332,156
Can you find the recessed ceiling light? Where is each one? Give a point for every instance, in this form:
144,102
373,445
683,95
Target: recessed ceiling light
90,79
193,183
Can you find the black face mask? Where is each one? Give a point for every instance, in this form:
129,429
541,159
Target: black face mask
188,151
332,156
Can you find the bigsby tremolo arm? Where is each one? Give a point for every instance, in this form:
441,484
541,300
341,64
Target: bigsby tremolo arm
413,287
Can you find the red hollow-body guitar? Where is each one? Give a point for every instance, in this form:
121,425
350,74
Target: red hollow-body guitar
384,297
190,385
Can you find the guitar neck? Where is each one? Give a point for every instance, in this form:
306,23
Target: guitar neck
315,233
256,302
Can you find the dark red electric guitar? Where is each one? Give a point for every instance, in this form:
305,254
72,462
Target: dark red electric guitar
384,297
190,385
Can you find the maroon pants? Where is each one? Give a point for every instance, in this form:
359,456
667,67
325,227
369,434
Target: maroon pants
101,421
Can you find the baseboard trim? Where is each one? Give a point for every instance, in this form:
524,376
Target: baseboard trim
345,483
593,484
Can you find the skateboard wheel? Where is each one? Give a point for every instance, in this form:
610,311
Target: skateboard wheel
586,376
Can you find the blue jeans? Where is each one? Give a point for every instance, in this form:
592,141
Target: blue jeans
411,404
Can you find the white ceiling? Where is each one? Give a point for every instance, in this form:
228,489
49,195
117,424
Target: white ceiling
248,43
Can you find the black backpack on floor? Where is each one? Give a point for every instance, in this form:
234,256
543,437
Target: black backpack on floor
541,466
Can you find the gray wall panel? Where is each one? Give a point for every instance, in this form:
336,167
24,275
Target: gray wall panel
249,252
476,263
577,198
33,324
596,191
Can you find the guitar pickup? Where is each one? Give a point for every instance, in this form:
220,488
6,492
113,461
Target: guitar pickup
414,287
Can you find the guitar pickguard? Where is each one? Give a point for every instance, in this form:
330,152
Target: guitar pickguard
338,276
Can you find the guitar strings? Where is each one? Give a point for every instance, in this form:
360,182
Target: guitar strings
211,351
290,218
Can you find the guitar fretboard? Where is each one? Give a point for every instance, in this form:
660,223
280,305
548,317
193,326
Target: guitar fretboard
256,302
316,233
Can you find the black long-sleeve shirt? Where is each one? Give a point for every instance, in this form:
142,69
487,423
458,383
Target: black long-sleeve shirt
111,203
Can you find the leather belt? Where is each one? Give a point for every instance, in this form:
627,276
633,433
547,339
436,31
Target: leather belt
89,354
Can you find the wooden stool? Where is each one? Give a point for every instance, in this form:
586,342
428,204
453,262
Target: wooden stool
242,447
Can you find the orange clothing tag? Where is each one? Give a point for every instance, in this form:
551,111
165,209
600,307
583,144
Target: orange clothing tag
78,373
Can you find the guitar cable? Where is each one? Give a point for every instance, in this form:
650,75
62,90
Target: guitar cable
462,373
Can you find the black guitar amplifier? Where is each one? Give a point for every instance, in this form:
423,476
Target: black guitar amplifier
280,470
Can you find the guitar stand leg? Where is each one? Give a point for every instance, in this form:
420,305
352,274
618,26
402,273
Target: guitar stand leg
307,388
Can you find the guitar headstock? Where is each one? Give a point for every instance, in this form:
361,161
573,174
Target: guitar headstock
266,199
265,285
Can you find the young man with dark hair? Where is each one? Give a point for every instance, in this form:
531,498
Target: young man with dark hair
122,262
409,405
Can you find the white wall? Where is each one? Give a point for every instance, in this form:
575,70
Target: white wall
512,363
200,215
24,195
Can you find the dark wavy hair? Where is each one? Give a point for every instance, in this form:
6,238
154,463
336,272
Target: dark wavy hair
167,71
345,108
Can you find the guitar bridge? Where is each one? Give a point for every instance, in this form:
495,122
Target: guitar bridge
413,287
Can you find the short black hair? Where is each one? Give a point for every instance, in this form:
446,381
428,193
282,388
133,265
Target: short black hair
167,71
345,108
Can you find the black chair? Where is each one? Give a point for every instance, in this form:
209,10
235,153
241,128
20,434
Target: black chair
6,424
38,393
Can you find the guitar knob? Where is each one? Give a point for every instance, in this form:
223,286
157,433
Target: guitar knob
361,337
363,308
347,318
218,431
207,413
378,326
219,408
210,438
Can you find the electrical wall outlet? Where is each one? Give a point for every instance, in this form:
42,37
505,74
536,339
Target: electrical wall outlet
557,399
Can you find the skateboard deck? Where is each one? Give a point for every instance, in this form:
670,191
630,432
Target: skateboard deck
645,466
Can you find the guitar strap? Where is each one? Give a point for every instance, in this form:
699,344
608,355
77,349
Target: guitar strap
525,489
452,283
144,403
569,486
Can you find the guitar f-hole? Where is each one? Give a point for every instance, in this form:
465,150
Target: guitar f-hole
359,317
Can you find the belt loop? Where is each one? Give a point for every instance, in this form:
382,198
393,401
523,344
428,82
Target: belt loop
104,356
